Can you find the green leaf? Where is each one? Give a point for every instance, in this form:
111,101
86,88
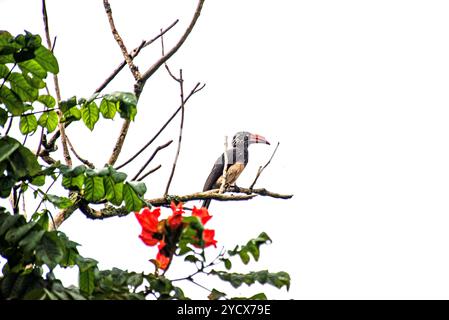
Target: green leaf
47,100
6,184
227,263
85,264
278,279
72,114
59,202
90,115
135,280
7,147
14,235
127,103
31,240
24,163
72,172
108,109
9,222
3,117
46,59
244,256
11,101
38,181
259,296
49,120
117,176
49,251
67,104
87,281
216,295
3,71
34,81
93,189
31,66
28,124
73,183
114,191
23,89
191,258
127,111
132,200
139,187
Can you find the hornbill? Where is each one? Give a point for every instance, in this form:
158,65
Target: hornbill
237,160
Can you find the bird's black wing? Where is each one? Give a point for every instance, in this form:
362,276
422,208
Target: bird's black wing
216,172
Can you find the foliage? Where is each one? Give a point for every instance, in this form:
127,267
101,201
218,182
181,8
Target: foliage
32,247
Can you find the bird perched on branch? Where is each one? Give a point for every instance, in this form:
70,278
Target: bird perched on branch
237,159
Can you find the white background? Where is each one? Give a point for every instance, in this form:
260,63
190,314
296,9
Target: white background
356,92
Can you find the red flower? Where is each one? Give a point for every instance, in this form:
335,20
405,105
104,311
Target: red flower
175,220
162,261
201,213
208,238
149,221
177,209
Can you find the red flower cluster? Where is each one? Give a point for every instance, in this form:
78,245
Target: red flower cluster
166,232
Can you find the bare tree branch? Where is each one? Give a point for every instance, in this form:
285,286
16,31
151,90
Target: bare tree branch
138,87
165,145
133,54
260,192
84,161
119,144
149,172
119,40
259,172
198,87
181,88
65,149
181,41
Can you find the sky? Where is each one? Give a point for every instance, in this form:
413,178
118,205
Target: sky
356,92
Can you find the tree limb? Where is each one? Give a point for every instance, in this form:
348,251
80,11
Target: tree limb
119,40
196,89
181,88
165,145
147,74
259,172
133,54
65,149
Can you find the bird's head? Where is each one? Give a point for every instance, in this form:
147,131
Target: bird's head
244,136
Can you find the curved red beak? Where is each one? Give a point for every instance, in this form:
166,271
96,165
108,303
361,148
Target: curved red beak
255,138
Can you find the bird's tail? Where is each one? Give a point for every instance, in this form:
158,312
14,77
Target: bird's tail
206,203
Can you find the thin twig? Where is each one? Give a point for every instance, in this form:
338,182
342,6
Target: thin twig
165,64
7,75
84,161
119,40
48,189
34,112
149,172
181,88
198,87
139,85
165,145
65,149
259,172
225,166
9,127
162,60
133,54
